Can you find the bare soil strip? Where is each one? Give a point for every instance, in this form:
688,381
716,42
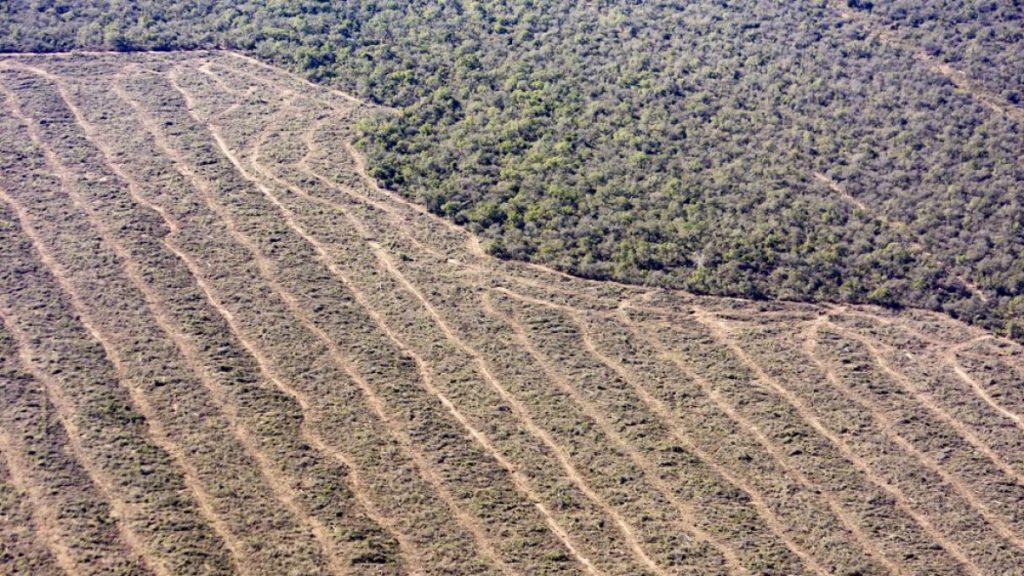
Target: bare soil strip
684,510
63,509
1004,529
677,429
280,485
926,400
721,332
975,369
961,514
811,349
949,355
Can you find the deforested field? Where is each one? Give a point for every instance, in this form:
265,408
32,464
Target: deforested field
225,350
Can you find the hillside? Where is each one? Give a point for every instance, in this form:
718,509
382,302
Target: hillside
225,350
846,151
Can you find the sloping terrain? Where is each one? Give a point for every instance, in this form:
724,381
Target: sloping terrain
226,351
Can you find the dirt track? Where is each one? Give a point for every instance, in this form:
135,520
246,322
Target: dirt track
226,350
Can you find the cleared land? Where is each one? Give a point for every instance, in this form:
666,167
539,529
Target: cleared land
224,350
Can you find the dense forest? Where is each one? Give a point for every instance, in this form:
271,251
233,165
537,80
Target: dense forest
847,151
984,39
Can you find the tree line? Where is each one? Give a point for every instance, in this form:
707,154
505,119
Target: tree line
730,147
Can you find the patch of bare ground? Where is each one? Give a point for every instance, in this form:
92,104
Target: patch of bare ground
55,518
957,402
750,416
281,341
996,376
227,350
132,300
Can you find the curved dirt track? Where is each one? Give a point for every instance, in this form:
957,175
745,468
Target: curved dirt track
226,350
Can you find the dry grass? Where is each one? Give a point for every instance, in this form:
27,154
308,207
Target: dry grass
225,350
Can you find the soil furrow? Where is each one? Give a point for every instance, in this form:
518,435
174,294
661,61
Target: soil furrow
811,350
281,485
956,512
925,399
68,507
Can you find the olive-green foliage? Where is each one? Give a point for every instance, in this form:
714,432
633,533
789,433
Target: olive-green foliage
983,36
670,143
